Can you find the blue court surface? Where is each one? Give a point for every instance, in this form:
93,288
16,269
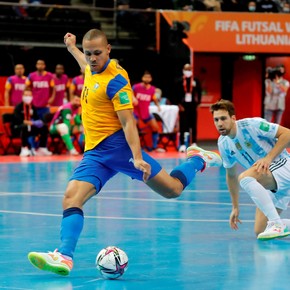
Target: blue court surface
180,244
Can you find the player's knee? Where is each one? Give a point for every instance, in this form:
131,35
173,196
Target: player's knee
72,199
62,129
243,175
173,193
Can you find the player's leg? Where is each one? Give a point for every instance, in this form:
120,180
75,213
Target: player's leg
63,130
257,186
268,115
182,129
167,185
278,116
261,221
151,121
60,261
87,180
171,185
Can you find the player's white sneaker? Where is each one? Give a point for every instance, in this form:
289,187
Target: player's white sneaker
210,158
52,261
182,149
43,151
74,152
25,152
274,230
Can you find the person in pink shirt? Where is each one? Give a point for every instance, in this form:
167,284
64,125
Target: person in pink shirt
76,86
144,94
15,86
61,83
41,83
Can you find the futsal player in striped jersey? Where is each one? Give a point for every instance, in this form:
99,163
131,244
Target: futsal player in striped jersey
260,147
112,145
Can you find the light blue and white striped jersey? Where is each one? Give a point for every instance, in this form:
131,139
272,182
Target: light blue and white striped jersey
254,139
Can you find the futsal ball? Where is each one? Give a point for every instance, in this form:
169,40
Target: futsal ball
112,262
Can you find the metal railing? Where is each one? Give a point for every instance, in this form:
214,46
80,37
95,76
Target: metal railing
43,24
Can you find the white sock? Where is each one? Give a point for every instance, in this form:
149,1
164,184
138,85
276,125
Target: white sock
261,198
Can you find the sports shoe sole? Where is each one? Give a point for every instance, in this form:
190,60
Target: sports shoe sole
205,152
273,237
40,262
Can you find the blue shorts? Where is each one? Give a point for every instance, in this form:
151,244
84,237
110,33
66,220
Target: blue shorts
145,120
111,156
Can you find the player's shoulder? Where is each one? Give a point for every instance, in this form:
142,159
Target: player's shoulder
246,122
11,78
222,140
116,68
117,75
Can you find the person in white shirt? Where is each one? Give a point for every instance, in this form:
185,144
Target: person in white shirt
259,146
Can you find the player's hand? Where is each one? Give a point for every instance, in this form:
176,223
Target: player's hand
181,108
135,101
234,219
70,40
262,165
143,166
27,122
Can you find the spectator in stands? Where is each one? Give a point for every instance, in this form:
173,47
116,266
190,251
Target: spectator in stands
15,86
276,88
61,82
286,7
268,6
185,5
67,121
41,83
30,125
144,93
188,94
76,85
252,6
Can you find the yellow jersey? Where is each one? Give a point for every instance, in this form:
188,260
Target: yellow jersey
104,94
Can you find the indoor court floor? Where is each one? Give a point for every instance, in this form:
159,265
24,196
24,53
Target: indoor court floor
182,244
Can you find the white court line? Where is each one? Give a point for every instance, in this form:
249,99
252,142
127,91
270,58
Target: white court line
129,199
122,218
121,190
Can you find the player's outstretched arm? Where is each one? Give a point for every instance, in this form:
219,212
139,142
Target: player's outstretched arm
70,42
233,186
131,133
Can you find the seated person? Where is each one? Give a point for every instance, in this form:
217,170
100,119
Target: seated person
26,120
63,120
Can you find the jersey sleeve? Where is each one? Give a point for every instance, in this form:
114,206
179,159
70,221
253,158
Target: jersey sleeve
265,129
120,93
8,84
72,85
28,80
224,148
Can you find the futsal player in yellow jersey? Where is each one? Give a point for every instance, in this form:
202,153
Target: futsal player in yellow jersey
112,145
